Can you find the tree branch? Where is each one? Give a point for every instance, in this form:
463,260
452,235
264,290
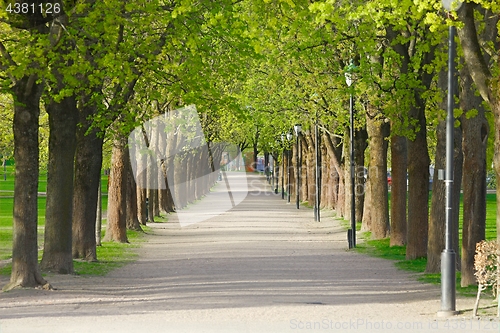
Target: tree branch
473,53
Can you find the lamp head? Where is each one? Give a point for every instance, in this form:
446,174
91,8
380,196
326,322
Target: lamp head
289,136
298,129
348,79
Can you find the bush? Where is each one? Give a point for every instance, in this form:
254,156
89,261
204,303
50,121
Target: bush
485,267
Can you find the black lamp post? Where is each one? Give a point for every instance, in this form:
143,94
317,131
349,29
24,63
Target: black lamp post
283,166
448,256
298,129
289,137
351,233
276,174
317,201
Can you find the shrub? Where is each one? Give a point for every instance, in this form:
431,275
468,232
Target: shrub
485,267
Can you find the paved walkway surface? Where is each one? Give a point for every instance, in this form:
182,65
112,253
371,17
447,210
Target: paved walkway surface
262,266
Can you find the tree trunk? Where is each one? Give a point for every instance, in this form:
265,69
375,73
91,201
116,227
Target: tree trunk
367,207
88,164
306,154
477,64
151,194
131,197
360,145
116,229
142,194
327,181
25,270
57,253
310,170
334,151
399,162
142,213
166,201
347,178
378,131
437,218
255,151
475,138
418,188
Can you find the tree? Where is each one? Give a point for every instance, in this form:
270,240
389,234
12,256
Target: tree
481,71
24,34
117,194
63,117
25,269
399,156
475,138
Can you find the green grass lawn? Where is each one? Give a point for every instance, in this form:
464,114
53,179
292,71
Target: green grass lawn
381,249
110,255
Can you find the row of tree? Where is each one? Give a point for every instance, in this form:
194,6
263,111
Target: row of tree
253,68
399,53
100,69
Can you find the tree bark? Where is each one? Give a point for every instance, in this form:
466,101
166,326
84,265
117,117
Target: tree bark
307,176
378,131
334,151
399,162
88,164
328,182
25,270
141,191
475,139
418,188
116,229
436,242
360,145
142,213
437,218
131,197
347,177
487,85
57,255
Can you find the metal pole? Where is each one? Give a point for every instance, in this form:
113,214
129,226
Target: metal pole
277,175
298,172
288,166
317,214
448,255
283,174
353,201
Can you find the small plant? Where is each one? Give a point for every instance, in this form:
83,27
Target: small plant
485,267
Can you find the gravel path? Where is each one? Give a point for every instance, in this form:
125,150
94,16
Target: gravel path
263,266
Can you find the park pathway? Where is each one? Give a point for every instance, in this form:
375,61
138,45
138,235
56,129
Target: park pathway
262,266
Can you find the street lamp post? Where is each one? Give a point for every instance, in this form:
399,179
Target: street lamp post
277,174
351,233
298,129
317,214
283,166
288,165
448,256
